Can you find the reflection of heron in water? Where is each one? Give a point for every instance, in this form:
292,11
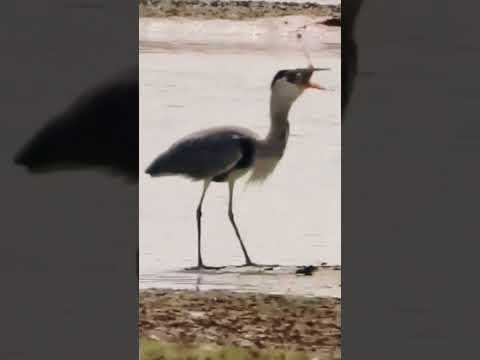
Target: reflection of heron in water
225,154
99,131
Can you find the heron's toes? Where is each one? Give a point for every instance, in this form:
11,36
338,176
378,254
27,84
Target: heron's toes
252,264
204,267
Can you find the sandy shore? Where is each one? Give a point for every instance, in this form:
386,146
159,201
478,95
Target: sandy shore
277,35
252,321
233,10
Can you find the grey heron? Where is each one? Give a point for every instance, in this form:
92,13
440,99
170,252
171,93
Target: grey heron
224,154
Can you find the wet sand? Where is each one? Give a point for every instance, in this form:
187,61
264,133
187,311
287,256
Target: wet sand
324,281
253,321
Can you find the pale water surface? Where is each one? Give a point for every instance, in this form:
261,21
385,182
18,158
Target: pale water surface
195,75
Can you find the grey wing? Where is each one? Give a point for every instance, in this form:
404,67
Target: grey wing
200,156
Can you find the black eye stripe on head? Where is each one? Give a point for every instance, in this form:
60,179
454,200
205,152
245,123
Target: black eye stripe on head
278,76
291,76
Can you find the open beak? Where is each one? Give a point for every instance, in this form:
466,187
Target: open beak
311,85
315,86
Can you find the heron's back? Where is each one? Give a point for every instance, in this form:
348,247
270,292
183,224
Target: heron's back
207,154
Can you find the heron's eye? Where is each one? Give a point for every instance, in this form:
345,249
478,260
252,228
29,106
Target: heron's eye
293,77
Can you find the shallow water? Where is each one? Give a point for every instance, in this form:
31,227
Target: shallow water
323,282
220,77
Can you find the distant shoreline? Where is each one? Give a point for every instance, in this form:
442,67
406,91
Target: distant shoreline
235,10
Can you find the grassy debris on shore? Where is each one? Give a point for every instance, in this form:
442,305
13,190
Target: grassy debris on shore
238,320
233,10
155,350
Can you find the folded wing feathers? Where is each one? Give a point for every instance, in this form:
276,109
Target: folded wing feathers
198,157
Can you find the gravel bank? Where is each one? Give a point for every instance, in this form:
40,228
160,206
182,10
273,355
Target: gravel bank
233,10
252,321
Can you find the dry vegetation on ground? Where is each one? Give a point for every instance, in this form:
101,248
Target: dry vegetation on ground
249,321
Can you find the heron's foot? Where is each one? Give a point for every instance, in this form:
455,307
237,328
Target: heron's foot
246,265
204,267
252,264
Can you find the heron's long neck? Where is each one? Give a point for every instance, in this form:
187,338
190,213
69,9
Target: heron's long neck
270,150
277,137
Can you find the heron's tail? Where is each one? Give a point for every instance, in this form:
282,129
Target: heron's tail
159,167
155,168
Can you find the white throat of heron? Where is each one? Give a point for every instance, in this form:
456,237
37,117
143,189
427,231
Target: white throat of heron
281,100
271,149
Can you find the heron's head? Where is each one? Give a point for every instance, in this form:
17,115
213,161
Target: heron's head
288,85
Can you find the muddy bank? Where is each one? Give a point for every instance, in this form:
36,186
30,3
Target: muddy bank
233,10
252,321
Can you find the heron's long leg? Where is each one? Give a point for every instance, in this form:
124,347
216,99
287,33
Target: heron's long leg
199,226
230,216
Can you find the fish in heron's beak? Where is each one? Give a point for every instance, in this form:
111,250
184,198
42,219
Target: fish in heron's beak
311,85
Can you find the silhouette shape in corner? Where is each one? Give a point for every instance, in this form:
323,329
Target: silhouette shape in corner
350,11
99,131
